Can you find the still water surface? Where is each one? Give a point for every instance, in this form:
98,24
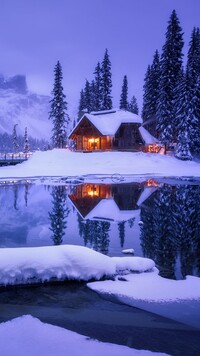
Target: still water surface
158,220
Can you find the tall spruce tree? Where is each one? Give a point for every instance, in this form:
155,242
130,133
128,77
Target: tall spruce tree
182,119
26,141
194,118
151,94
106,82
58,113
133,106
193,82
93,95
171,72
146,95
98,88
193,60
82,105
15,140
124,94
88,96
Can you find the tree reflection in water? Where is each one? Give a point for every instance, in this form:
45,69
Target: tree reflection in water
170,230
58,215
95,234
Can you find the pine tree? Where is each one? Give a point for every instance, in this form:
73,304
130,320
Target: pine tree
82,105
194,118
182,119
171,71
58,113
193,60
124,94
133,106
151,94
98,88
93,95
106,82
146,95
26,142
193,87
15,140
88,96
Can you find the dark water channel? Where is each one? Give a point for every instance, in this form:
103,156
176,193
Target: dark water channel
157,219
73,306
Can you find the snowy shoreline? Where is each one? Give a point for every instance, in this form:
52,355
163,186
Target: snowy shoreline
100,165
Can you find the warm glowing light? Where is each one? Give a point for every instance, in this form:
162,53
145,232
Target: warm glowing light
151,183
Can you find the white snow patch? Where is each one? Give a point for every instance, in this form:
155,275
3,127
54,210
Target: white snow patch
41,264
150,287
61,162
128,251
29,336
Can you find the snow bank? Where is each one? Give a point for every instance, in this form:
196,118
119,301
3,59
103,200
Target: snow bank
41,264
31,337
132,264
150,287
71,164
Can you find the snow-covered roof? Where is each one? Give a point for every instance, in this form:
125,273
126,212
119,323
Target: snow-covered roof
147,137
108,121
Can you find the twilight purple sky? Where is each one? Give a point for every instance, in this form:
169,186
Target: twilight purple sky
34,34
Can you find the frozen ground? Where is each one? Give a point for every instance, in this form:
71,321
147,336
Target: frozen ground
29,336
65,163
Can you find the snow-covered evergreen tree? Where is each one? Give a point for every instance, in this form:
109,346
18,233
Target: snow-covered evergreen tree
26,142
171,71
146,95
58,113
106,82
194,118
182,119
151,94
15,140
193,60
93,95
88,96
82,105
98,88
133,106
124,94
193,87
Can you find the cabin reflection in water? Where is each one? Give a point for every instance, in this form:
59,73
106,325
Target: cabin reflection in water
109,202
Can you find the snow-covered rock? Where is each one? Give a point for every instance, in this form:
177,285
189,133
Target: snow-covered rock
42,264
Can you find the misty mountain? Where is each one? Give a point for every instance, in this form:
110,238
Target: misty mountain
24,108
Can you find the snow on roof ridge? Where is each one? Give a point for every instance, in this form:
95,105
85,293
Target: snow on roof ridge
100,112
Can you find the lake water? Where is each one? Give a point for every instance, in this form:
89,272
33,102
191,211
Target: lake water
157,219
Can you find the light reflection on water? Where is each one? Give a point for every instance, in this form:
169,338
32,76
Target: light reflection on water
160,221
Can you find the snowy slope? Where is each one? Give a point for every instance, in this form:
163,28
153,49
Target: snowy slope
27,110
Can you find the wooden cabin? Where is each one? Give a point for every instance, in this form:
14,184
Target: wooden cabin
110,130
